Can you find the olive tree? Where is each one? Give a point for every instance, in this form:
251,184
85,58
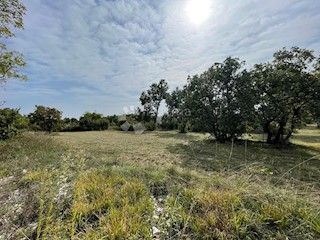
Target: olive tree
286,86
221,100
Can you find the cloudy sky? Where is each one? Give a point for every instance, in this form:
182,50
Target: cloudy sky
99,55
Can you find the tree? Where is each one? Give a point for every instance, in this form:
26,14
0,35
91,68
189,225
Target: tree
314,111
70,125
47,119
8,119
221,100
178,114
286,87
11,15
93,122
151,99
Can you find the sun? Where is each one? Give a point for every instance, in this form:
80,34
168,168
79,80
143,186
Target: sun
198,10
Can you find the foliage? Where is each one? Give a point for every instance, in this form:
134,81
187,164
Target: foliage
150,126
286,87
70,125
227,100
169,122
46,119
93,122
8,120
113,120
151,99
221,100
178,112
11,14
10,62
314,111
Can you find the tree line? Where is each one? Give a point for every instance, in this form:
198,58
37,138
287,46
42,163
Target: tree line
49,120
228,100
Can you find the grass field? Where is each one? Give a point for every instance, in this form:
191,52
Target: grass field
158,185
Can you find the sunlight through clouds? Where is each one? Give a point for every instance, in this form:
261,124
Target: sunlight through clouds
198,10
116,49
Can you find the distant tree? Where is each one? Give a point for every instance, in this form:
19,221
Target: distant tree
113,120
93,122
286,87
8,121
70,125
11,15
47,119
178,113
151,99
221,100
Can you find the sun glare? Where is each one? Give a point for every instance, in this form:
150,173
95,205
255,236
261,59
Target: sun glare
198,10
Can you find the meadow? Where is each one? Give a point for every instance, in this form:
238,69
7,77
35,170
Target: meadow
158,185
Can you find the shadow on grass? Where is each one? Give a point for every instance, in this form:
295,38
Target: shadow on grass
307,138
291,162
176,135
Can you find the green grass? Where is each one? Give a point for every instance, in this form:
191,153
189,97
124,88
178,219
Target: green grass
162,184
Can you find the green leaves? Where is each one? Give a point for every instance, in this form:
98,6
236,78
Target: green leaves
11,15
47,119
152,98
286,87
93,121
10,61
216,100
8,121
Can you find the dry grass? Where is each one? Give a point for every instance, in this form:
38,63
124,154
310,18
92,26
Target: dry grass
195,151
163,185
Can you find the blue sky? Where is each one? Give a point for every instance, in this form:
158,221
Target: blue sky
99,55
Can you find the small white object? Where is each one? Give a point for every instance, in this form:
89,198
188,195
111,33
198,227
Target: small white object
155,230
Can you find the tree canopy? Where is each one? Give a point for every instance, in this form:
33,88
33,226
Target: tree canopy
46,118
227,100
11,16
151,99
286,87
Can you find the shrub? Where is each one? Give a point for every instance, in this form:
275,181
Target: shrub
46,119
70,125
93,122
8,118
150,126
169,122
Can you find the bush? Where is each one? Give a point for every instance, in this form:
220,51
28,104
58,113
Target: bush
8,118
150,126
93,122
70,125
46,119
168,122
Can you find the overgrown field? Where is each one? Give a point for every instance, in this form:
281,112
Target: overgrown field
158,185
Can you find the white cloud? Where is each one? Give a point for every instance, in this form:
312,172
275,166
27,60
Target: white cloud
96,51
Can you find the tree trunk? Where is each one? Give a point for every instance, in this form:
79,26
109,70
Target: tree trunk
266,129
279,135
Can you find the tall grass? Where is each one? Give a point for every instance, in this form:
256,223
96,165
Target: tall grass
94,193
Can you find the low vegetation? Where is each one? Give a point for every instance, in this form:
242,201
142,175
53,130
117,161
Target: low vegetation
161,184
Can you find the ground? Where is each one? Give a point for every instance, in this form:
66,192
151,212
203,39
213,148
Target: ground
158,185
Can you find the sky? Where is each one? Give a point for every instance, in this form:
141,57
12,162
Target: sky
99,55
